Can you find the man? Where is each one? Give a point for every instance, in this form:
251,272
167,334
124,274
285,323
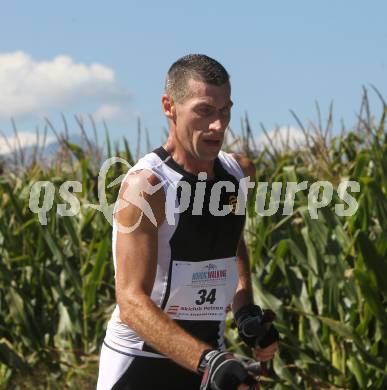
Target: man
177,271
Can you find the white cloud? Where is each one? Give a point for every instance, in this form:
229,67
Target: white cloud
108,111
23,139
282,138
33,87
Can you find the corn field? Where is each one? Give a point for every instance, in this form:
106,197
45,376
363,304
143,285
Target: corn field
326,278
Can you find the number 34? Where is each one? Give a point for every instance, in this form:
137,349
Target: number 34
205,296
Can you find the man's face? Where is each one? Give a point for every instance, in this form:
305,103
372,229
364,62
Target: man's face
202,118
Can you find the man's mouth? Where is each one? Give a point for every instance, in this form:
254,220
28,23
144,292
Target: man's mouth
212,142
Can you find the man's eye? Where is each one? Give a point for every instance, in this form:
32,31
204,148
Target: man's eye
205,111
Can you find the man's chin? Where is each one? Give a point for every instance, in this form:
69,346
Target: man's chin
210,152
207,155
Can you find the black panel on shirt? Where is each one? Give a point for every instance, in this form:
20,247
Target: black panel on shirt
203,237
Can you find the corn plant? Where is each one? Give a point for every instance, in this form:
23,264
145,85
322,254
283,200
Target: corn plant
324,277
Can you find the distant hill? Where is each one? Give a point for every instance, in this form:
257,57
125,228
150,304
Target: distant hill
49,150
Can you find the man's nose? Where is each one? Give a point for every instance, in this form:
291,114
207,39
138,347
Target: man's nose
217,125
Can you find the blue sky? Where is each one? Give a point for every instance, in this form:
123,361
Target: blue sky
281,55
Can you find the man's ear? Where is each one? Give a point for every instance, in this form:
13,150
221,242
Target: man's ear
168,107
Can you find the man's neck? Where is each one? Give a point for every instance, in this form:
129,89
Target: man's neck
187,161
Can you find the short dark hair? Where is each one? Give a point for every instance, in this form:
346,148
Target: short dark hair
193,66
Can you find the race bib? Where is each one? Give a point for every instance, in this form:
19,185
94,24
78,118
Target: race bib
202,290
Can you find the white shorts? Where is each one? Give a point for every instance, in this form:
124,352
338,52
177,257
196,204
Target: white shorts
123,371
112,365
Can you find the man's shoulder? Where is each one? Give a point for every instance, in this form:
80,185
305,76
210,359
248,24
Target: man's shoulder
148,161
147,167
247,166
142,190
141,177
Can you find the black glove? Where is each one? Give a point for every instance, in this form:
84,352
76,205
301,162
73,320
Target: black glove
223,371
255,326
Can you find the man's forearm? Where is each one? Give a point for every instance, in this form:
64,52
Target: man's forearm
142,315
244,292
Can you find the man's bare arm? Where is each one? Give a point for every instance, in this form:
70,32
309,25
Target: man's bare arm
136,255
244,294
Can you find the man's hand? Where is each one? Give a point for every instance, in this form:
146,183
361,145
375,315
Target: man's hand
223,371
255,328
